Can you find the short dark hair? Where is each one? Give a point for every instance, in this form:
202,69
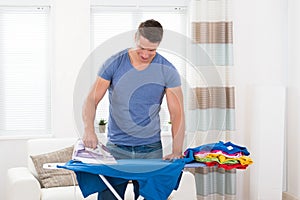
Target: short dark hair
152,30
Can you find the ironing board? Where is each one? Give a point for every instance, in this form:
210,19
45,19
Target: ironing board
167,173
105,181
157,178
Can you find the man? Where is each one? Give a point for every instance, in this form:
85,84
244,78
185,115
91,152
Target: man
137,80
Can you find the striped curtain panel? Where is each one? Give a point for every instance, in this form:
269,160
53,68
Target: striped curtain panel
211,99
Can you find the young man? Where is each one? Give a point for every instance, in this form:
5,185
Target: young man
137,80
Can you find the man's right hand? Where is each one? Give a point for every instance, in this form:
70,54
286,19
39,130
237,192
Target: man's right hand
90,140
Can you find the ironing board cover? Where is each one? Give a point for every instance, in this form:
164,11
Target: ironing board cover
157,178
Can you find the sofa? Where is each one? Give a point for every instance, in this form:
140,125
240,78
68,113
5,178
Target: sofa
23,182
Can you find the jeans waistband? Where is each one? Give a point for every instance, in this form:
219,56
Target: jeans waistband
145,147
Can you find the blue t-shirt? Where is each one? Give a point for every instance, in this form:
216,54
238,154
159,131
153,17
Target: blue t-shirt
135,97
157,178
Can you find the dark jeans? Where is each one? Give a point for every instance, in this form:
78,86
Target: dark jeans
149,151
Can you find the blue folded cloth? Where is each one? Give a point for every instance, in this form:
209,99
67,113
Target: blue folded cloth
227,147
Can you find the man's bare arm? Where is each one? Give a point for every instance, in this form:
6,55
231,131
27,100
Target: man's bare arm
89,110
175,106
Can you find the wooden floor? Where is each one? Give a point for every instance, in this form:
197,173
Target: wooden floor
287,196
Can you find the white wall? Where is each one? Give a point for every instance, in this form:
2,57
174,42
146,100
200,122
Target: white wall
260,59
70,21
293,108
267,47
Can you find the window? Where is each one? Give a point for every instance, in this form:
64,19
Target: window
24,71
107,22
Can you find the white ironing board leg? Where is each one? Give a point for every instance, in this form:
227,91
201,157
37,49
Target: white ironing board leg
110,187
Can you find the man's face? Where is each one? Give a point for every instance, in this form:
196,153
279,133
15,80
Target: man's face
146,50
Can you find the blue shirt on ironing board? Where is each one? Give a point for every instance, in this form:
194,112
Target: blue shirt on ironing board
157,178
135,97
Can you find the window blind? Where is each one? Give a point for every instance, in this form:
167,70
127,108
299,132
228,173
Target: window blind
107,22
24,70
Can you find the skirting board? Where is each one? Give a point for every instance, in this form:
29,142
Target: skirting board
287,196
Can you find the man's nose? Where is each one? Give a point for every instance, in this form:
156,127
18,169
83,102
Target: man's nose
145,53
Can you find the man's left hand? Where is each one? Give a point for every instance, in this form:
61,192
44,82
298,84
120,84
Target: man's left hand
173,156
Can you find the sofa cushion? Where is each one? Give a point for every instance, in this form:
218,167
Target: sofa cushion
54,177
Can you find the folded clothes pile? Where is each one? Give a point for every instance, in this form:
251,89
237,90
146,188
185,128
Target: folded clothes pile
225,155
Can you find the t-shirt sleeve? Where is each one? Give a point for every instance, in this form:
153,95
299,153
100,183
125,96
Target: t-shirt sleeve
106,71
172,78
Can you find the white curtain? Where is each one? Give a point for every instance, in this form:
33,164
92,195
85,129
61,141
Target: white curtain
211,110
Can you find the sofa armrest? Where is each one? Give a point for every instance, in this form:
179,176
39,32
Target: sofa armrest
21,184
